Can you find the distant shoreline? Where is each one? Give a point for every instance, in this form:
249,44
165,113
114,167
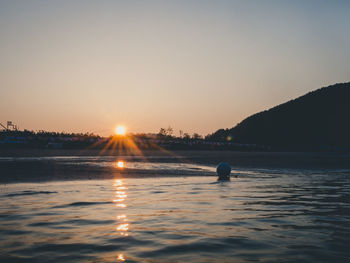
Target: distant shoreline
27,170
235,158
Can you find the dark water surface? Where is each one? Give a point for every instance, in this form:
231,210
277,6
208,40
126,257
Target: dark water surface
261,216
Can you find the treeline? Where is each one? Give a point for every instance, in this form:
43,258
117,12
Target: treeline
45,139
169,133
163,140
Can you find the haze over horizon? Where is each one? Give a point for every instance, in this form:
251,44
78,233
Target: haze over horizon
198,66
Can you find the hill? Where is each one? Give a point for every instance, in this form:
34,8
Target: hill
319,120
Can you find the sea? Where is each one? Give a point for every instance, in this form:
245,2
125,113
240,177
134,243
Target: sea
260,215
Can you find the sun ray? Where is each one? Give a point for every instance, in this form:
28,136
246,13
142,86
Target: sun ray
130,145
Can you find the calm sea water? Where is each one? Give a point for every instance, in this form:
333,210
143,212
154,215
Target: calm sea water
261,216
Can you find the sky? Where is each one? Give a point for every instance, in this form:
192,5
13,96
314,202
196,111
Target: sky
197,66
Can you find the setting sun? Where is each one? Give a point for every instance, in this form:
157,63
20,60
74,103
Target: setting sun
120,130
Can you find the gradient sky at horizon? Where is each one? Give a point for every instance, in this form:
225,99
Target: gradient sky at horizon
86,66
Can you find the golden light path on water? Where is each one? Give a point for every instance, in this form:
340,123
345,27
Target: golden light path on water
122,221
124,144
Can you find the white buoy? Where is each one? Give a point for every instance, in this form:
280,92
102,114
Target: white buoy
223,170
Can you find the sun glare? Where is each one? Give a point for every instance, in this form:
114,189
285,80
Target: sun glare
120,130
120,164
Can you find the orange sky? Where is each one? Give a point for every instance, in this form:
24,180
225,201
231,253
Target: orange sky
86,66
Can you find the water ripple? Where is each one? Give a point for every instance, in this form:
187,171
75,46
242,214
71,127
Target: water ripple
29,193
82,204
267,216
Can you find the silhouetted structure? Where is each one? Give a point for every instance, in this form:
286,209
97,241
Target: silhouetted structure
318,120
9,126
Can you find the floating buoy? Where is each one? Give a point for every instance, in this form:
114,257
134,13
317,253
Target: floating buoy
223,170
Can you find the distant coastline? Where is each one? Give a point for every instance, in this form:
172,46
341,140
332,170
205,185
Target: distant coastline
16,169
315,122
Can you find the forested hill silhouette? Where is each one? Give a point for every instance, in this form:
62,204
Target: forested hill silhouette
319,120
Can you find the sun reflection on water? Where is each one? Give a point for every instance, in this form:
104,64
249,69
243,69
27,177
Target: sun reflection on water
120,164
122,227
120,257
118,182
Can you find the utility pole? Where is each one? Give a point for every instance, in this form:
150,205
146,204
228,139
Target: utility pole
3,126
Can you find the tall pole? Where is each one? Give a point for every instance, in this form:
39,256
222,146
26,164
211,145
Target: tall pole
3,126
